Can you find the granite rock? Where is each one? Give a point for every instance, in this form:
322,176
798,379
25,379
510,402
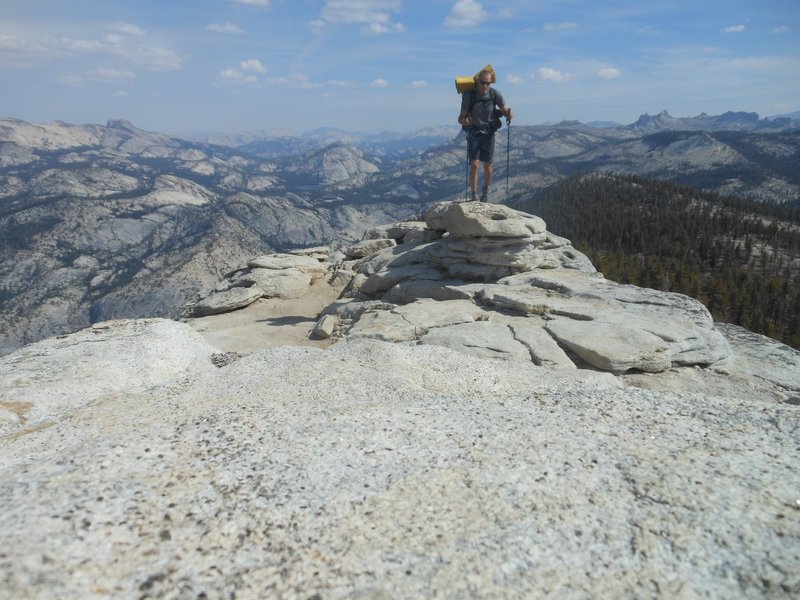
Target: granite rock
373,469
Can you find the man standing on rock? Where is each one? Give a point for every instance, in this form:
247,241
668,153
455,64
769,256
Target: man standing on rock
477,117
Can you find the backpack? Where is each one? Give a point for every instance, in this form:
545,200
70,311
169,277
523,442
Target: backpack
494,120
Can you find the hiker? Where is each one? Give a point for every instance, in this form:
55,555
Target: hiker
478,117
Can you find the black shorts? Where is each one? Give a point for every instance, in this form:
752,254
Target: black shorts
480,146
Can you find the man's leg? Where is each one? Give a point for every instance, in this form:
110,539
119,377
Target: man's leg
473,178
487,180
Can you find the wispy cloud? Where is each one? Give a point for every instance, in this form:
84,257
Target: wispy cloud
225,28
419,84
780,29
244,75
380,28
379,83
253,65
156,59
734,29
36,47
553,75
608,73
112,75
377,14
235,77
125,28
296,80
100,75
256,3
465,13
514,79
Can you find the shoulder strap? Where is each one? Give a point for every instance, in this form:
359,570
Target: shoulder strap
473,93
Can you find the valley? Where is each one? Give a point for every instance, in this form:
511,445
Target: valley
104,222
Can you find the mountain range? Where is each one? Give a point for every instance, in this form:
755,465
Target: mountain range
102,222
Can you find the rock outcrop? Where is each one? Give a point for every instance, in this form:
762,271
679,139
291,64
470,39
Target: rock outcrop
377,470
495,282
405,460
281,275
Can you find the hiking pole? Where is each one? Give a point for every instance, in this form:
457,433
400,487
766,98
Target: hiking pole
466,177
508,155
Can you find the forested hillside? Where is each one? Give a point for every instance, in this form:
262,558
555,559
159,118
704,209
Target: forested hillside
740,258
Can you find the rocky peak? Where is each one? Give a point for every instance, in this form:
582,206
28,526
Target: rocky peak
124,125
336,164
399,459
492,282
488,280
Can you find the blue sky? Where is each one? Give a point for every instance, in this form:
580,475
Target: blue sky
373,65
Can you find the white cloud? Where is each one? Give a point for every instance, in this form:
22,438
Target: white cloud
548,74
734,29
377,13
303,81
379,28
237,77
419,84
465,13
225,28
514,79
253,65
608,73
257,3
780,29
297,80
125,28
38,48
380,83
560,26
106,74
156,59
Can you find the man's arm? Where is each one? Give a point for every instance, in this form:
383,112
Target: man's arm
464,118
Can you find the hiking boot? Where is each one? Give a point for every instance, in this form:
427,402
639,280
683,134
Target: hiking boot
485,195
474,197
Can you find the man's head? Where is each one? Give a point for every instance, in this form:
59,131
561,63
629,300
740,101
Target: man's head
484,80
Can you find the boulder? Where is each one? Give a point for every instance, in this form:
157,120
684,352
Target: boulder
325,327
226,301
757,356
507,263
395,231
285,283
481,219
318,253
368,247
50,379
613,348
299,262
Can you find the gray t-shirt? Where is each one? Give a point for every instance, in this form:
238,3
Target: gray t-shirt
481,113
